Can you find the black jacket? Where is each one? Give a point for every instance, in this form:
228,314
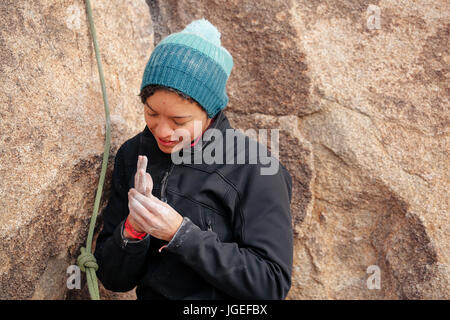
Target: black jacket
235,241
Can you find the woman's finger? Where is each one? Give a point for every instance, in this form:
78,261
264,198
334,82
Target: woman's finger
148,192
143,163
142,181
151,204
139,209
144,174
149,185
141,222
138,183
141,177
136,176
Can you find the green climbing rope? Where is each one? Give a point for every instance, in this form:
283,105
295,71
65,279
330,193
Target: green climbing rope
86,260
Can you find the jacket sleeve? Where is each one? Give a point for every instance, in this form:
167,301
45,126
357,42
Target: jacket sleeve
259,265
120,261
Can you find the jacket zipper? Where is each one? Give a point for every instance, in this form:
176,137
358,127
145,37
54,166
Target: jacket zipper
164,183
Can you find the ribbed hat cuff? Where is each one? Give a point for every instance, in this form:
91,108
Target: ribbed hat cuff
180,80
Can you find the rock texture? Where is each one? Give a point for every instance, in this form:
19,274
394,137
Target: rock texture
52,129
380,141
358,90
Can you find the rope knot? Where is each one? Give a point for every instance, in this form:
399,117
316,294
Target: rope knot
86,260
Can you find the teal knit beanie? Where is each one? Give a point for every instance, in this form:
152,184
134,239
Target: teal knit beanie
193,62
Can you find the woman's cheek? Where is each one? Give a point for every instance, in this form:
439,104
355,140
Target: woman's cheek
151,123
183,135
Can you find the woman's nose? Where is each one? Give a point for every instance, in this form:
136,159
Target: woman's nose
163,130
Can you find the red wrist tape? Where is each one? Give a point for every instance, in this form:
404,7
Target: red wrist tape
135,234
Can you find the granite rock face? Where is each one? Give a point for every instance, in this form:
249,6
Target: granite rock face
380,141
358,91
52,124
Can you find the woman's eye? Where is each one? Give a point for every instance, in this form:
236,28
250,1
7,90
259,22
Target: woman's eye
178,124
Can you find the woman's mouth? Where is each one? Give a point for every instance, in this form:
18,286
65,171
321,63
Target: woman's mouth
167,142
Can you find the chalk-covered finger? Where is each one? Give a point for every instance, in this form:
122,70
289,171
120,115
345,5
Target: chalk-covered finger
141,177
148,185
138,181
139,210
136,176
153,204
142,181
142,164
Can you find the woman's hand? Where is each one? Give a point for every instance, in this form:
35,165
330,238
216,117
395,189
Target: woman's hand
143,183
154,216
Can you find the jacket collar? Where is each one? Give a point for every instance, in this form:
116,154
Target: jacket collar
149,147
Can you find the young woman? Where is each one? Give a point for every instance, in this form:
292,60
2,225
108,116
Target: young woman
194,229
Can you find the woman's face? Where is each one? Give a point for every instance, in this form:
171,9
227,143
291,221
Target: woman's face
165,112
